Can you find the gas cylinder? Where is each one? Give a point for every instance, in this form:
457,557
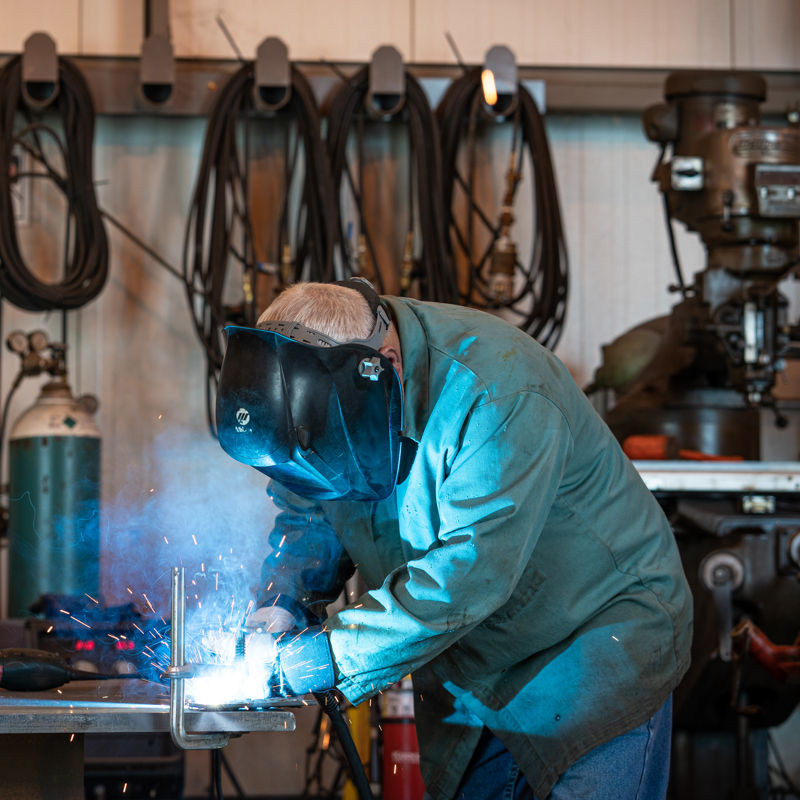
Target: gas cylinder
54,499
402,779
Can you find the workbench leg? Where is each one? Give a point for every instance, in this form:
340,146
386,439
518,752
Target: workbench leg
41,766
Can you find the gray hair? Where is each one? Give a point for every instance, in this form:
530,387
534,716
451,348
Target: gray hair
338,312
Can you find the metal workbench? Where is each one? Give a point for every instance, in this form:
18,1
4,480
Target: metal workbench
41,734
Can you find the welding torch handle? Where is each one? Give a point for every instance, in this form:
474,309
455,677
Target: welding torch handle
330,705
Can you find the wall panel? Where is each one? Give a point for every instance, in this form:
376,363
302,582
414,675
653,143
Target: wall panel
619,253
348,30
579,32
59,18
112,27
766,34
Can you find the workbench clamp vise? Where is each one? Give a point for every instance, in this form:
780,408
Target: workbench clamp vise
179,671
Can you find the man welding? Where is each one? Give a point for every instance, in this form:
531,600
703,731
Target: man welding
517,566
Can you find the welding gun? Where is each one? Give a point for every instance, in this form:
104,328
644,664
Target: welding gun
23,670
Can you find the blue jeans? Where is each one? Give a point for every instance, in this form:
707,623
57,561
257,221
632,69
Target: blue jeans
634,766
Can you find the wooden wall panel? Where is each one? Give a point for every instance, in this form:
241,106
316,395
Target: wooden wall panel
348,30
112,27
766,34
578,32
59,18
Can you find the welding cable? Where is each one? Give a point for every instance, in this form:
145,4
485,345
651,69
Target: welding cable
219,227
86,245
436,277
538,305
330,705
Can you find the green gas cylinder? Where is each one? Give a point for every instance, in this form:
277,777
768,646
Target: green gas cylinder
54,499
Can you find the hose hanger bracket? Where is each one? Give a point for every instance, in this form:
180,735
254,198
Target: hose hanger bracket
40,75
272,85
157,60
500,82
386,92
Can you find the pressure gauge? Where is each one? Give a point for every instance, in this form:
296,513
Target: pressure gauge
38,340
17,342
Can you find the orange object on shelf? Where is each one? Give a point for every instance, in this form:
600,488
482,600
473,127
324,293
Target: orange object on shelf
660,447
651,447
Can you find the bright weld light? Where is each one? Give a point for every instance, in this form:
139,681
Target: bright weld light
238,684
489,87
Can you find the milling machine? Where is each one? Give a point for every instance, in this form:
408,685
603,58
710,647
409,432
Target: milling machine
701,380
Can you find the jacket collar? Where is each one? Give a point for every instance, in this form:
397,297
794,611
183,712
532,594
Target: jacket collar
416,367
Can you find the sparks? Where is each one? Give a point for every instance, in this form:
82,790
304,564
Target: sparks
63,612
72,737
148,602
49,629
129,591
77,620
193,539
217,588
151,491
282,541
159,416
395,769
125,788
614,638
90,597
59,691
270,586
166,540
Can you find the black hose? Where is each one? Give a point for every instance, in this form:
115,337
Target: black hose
330,705
539,302
219,227
436,276
85,272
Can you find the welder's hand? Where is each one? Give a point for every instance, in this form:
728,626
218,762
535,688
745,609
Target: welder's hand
260,648
270,619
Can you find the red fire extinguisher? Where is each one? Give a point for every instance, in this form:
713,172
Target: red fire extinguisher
402,779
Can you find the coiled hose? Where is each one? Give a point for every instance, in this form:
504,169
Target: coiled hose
539,301
220,226
86,248
435,272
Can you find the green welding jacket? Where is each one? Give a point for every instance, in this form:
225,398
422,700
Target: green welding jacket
521,571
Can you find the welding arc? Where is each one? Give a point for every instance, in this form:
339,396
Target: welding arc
437,279
330,705
86,248
220,228
538,305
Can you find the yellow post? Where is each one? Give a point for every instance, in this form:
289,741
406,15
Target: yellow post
358,718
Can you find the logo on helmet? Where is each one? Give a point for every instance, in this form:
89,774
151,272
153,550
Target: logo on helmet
243,418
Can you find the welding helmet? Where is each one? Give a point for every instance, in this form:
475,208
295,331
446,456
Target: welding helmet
320,417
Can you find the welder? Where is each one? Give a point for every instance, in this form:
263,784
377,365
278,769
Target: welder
516,564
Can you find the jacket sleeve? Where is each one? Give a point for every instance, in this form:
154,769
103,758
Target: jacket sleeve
492,506
308,566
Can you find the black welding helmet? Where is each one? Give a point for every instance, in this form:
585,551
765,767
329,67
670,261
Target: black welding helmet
321,417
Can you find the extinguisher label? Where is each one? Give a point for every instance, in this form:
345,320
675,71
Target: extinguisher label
405,757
